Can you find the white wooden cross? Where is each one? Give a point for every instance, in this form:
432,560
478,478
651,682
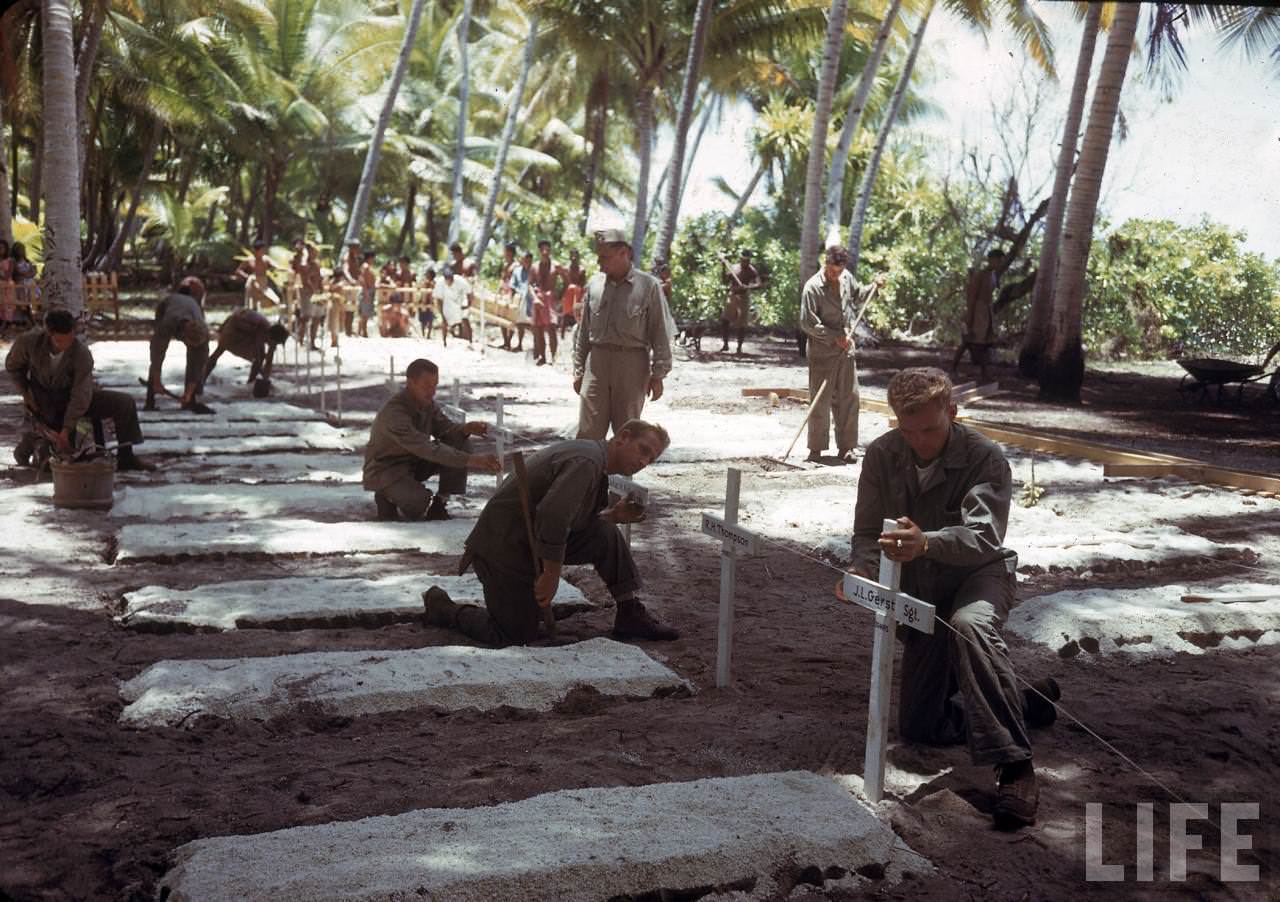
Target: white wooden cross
391,373
500,434
620,487
891,607
733,539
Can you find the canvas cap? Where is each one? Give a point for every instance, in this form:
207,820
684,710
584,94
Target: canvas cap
612,236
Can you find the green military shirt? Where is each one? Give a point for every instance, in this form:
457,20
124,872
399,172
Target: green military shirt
962,507
629,314
403,434
826,314
70,374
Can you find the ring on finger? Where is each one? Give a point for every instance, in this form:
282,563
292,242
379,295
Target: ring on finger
899,543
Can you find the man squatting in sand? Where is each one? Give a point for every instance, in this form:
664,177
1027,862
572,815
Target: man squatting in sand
249,335
412,440
949,488
568,484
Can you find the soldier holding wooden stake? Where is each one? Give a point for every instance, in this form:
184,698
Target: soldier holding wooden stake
572,523
949,489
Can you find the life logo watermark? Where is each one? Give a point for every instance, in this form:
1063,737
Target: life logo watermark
1183,838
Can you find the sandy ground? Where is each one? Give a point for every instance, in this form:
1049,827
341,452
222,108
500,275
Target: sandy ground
93,809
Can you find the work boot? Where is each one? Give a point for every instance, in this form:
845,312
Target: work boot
437,510
815,457
847,455
194,406
386,510
1036,711
632,621
441,610
23,450
1017,795
127,461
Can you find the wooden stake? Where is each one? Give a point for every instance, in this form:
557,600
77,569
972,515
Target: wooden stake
499,441
728,583
881,682
805,423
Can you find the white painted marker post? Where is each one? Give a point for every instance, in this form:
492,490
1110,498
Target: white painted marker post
308,377
483,342
620,487
391,373
337,366
457,393
323,406
732,539
891,607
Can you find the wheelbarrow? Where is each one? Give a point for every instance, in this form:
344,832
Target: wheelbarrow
1204,373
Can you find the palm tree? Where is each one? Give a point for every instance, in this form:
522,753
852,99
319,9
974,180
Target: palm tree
853,118
818,140
6,218
859,215
61,277
360,206
1037,331
460,148
1062,371
504,146
692,72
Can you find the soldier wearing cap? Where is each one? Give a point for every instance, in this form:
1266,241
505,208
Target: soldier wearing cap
742,278
622,348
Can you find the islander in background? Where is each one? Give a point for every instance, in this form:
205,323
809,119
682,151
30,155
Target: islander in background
575,285
368,291
311,284
742,279
427,302
979,317
181,316
454,296
546,273
256,272
509,264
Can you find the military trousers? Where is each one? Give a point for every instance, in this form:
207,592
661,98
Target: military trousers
839,402
511,615
613,389
958,684
412,498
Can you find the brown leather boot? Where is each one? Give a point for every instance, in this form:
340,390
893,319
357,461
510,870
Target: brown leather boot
1018,795
1037,707
632,621
440,609
386,510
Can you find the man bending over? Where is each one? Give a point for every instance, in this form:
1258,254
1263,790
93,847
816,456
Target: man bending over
572,524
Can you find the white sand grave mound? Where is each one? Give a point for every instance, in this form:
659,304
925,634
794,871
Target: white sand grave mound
253,469
207,429
183,502
1149,621
232,412
304,600
353,683
312,436
578,845
146,541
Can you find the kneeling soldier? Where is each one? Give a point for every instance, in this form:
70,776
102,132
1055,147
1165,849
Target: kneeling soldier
412,440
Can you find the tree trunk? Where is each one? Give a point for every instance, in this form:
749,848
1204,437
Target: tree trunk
406,229
460,149
747,191
692,73
644,135
597,116
1062,370
188,173
37,169
818,140
504,144
6,217
1037,333
859,218
433,229
360,207
853,119
712,104
270,190
115,255
61,280
97,14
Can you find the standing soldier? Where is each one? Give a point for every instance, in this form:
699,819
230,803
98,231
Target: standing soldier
742,278
829,306
622,349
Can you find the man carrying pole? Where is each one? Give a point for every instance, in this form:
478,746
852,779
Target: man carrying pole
829,310
572,523
948,488
741,278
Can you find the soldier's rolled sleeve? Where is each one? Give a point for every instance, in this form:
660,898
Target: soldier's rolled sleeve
869,513
414,441
574,487
16,363
658,339
449,432
984,515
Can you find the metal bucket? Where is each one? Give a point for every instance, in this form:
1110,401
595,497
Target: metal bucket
87,484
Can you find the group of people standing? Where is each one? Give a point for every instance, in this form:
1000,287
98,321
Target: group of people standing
18,289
